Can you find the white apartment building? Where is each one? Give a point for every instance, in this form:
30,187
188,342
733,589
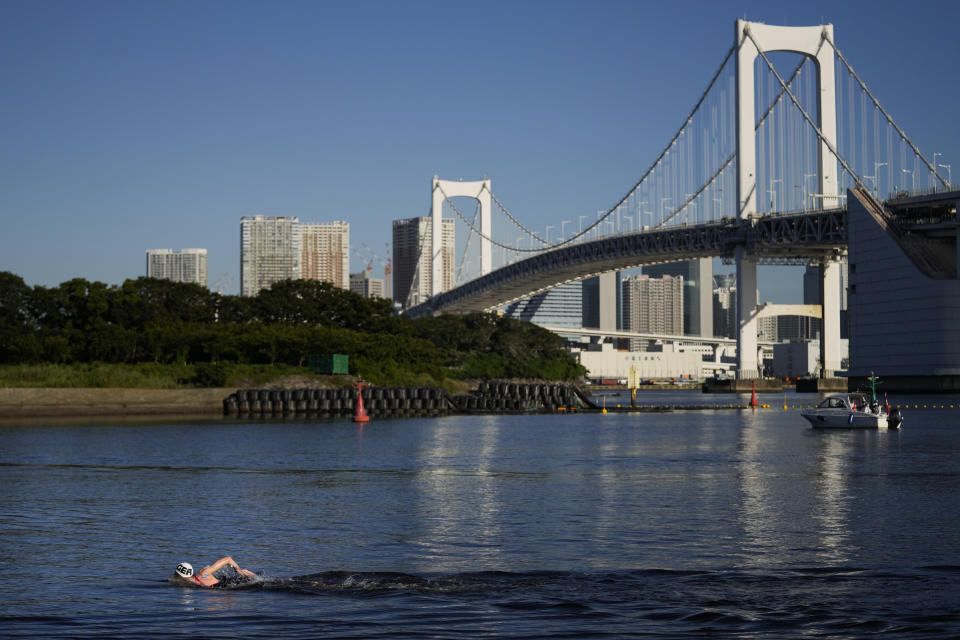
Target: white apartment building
269,251
186,265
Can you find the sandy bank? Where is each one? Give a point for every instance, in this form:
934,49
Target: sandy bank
29,402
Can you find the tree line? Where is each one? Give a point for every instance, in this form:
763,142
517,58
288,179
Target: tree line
159,321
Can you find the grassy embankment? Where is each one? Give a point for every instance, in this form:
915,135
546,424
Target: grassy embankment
102,375
154,376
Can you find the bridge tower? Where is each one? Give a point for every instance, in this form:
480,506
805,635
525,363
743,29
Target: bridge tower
751,38
442,189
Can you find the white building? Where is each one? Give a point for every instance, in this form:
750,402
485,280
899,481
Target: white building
366,286
269,251
186,265
671,361
801,358
412,248
325,252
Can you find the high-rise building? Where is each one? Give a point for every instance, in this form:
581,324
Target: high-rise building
186,265
269,251
602,304
652,305
557,307
325,252
366,286
697,292
412,249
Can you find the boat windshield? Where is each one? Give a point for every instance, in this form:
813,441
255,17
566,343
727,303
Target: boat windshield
833,402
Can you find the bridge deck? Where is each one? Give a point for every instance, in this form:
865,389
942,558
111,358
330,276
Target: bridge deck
808,234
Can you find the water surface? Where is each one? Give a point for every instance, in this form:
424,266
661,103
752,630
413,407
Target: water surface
650,524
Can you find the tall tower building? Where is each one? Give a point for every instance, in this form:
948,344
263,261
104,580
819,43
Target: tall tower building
412,248
186,265
697,293
652,305
325,252
269,251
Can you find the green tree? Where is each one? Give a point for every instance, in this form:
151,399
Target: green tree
19,332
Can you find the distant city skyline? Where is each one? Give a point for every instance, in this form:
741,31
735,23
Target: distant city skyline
158,124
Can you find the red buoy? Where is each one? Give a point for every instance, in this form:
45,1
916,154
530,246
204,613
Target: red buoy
753,394
359,413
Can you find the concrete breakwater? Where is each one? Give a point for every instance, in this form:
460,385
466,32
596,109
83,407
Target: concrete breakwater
489,397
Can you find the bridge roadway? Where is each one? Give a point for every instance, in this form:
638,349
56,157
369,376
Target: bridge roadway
807,234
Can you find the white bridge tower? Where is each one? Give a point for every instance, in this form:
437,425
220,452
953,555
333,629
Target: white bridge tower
443,189
751,38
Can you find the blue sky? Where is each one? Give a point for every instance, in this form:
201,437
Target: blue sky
126,126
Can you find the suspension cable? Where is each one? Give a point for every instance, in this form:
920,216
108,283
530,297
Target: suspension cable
806,116
466,246
784,90
877,104
666,149
517,222
733,155
482,235
695,195
602,218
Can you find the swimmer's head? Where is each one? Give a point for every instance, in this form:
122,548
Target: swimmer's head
185,570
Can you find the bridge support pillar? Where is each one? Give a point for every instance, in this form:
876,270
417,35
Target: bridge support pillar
830,333
747,361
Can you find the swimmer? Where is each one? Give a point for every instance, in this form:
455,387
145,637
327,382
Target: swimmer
205,577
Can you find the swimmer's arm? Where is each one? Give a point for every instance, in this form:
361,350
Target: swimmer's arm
227,560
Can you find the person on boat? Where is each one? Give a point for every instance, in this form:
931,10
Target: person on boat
205,577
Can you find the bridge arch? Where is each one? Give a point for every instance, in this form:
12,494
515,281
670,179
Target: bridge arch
442,189
809,41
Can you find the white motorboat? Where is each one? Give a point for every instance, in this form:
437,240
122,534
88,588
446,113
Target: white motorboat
852,410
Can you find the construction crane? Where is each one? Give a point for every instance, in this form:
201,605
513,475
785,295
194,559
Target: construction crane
364,258
387,262
387,270
224,281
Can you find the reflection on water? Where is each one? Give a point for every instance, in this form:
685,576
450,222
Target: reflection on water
458,502
760,510
831,513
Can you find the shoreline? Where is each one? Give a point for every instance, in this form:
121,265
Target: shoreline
28,402
91,402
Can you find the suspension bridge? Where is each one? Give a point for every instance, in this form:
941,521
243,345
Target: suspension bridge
759,172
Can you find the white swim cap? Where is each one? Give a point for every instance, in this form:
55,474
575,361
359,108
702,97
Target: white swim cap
185,569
